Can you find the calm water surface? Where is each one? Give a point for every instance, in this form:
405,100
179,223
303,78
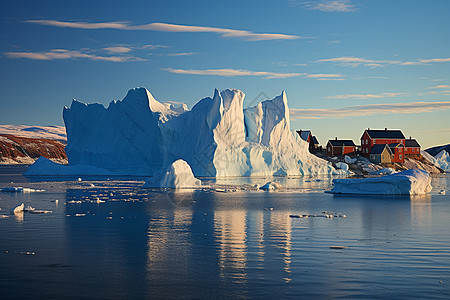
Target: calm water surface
176,245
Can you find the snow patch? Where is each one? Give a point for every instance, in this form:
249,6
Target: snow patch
409,182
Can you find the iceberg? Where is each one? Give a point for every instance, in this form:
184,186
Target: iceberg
443,161
217,137
409,182
177,175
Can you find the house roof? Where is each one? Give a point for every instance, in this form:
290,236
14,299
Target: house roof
315,140
411,143
304,134
340,143
395,145
385,134
378,149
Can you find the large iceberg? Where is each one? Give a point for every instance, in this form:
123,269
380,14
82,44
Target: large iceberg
218,137
409,182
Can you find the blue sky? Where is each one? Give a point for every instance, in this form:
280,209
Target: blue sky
345,65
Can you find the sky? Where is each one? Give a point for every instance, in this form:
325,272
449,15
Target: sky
346,65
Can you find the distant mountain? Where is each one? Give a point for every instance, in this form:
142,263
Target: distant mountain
42,132
23,150
435,150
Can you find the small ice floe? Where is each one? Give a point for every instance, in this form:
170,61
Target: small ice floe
268,208
22,208
271,185
80,215
97,200
325,214
18,209
19,190
442,192
74,201
79,179
3,216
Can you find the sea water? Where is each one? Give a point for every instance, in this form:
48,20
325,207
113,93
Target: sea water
205,244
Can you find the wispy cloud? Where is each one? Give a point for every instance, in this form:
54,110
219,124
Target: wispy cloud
119,49
367,96
243,72
368,110
182,54
232,73
330,5
442,86
325,76
223,32
357,61
56,54
153,47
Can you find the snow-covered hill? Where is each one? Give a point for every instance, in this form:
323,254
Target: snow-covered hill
218,137
41,132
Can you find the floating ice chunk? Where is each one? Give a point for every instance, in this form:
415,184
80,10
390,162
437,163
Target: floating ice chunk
409,182
271,185
177,175
3,216
28,208
19,208
97,200
442,192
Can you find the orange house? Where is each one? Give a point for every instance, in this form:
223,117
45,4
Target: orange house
399,152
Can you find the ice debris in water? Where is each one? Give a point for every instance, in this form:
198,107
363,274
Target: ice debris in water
325,214
22,208
19,190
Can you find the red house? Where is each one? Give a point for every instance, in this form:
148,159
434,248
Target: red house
340,147
372,137
412,147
